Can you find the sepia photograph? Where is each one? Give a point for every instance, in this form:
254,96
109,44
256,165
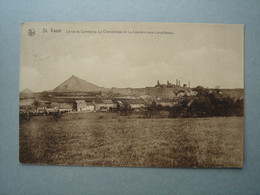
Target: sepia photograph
131,94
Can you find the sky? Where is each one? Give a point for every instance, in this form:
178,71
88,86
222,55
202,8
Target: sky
118,55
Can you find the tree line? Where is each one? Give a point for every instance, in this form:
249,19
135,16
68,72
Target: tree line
208,103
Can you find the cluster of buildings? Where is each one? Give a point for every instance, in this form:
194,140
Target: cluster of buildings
137,99
97,105
48,107
170,85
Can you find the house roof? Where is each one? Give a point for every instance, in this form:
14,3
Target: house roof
98,101
80,101
62,105
89,104
120,102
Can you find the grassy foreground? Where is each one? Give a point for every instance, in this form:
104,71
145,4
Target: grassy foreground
107,139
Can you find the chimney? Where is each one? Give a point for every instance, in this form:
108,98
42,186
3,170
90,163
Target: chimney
189,84
158,83
176,81
168,83
179,83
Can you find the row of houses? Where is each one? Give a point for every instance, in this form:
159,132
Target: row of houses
48,107
106,105
95,105
40,107
98,104
131,104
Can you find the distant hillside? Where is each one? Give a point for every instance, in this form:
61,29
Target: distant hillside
74,84
150,91
26,91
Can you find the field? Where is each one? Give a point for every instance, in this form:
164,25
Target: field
107,139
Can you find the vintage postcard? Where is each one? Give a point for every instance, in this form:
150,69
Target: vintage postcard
132,94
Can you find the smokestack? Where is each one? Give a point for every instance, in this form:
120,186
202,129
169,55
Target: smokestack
179,83
189,84
176,81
